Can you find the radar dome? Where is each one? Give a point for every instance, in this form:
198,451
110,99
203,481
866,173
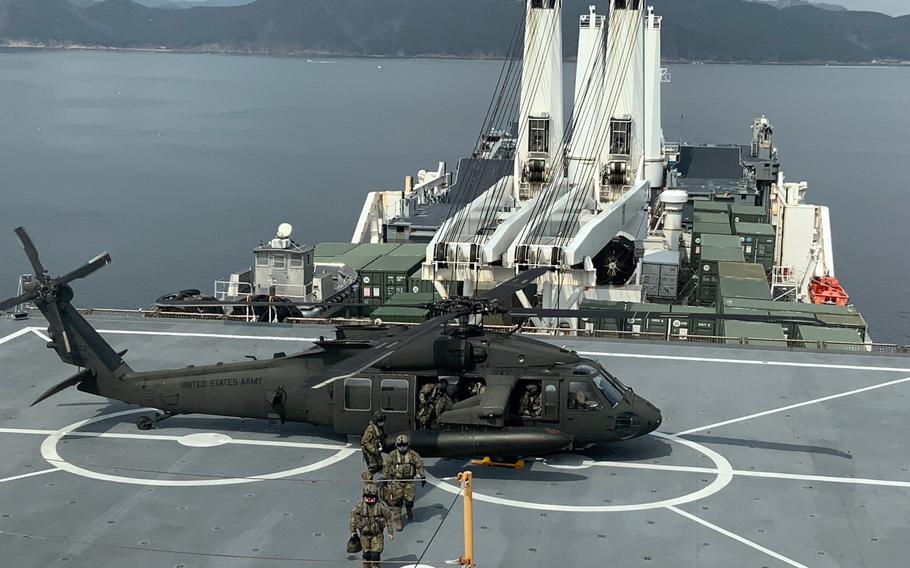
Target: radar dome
284,230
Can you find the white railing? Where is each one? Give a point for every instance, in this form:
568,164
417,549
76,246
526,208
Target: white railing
229,290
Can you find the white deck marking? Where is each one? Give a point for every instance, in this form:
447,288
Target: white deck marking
51,455
14,335
39,333
792,406
749,362
32,474
737,538
823,478
207,335
744,473
25,431
166,438
723,471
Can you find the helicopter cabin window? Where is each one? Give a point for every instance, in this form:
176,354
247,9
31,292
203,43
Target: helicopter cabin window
279,260
357,394
394,395
583,397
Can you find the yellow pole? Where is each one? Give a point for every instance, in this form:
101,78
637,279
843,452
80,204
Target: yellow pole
466,485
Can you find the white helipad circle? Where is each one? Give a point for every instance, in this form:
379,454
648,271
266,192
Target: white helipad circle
204,440
52,456
724,476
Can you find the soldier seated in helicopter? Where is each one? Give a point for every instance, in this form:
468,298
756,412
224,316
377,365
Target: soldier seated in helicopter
582,397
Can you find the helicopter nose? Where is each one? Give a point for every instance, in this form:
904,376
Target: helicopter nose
651,422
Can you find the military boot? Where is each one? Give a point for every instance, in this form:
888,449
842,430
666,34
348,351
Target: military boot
410,511
399,523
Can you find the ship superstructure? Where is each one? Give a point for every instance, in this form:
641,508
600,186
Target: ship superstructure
603,199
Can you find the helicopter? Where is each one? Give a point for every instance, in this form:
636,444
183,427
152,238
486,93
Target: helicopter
339,383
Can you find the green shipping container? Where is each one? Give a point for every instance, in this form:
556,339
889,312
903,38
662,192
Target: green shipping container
748,214
757,333
758,241
711,217
602,323
830,338
397,314
716,206
706,271
712,240
686,321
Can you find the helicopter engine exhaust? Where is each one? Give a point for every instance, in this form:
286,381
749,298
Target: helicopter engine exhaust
509,442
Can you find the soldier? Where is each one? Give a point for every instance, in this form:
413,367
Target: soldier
371,445
443,398
530,404
432,400
368,520
401,469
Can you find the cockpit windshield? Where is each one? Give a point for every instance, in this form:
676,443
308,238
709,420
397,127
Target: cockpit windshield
604,381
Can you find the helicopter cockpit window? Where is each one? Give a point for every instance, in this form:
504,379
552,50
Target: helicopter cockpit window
585,370
606,383
583,397
612,393
357,394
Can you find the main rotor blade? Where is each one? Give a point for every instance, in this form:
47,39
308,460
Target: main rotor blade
30,251
26,297
505,290
94,264
380,352
276,304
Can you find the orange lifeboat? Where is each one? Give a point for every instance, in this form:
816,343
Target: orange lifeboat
827,290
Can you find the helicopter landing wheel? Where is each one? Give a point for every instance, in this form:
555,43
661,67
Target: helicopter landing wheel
148,422
145,423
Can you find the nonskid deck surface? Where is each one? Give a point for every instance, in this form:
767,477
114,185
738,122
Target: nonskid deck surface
765,458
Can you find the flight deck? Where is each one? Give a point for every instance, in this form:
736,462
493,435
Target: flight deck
765,458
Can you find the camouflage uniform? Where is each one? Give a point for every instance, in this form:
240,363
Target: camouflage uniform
400,470
371,446
426,403
369,520
530,404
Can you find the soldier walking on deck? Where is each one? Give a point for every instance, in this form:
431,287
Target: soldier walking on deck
371,445
369,519
401,469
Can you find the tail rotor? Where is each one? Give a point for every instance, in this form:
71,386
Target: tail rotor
48,292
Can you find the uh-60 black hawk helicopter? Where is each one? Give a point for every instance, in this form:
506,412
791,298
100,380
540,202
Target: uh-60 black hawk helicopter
339,383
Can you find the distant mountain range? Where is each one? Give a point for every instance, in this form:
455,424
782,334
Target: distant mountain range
784,4
694,30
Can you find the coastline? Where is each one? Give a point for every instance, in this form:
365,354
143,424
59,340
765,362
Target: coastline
213,50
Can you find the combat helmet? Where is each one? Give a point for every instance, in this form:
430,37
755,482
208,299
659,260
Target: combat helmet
379,417
370,494
402,443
